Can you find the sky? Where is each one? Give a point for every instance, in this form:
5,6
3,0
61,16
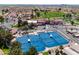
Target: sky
39,1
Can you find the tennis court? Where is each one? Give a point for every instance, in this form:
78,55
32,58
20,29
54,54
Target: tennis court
41,41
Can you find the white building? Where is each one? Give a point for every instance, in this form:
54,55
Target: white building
32,21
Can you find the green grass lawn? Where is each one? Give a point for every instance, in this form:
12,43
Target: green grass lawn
45,53
6,51
15,26
51,14
76,22
2,31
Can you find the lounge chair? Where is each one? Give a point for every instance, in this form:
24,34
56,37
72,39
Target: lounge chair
71,31
76,34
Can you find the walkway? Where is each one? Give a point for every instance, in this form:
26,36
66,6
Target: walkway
1,52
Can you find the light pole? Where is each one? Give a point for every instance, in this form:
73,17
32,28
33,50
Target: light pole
29,41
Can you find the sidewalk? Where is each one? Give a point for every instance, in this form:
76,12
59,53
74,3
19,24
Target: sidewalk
1,52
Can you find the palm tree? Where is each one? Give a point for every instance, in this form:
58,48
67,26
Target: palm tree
15,49
61,47
5,38
32,51
57,52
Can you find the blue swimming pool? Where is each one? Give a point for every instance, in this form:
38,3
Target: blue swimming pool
42,40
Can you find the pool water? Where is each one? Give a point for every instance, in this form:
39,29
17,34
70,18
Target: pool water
42,40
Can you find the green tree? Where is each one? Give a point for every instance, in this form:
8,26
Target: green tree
5,38
15,49
64,16
32,51
1,19
32,15
59,9
25,28
37,14
3,11
31,26
24,23
45,12
35,10
6,10
69,16
19,22
57,52
72,22
61,47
